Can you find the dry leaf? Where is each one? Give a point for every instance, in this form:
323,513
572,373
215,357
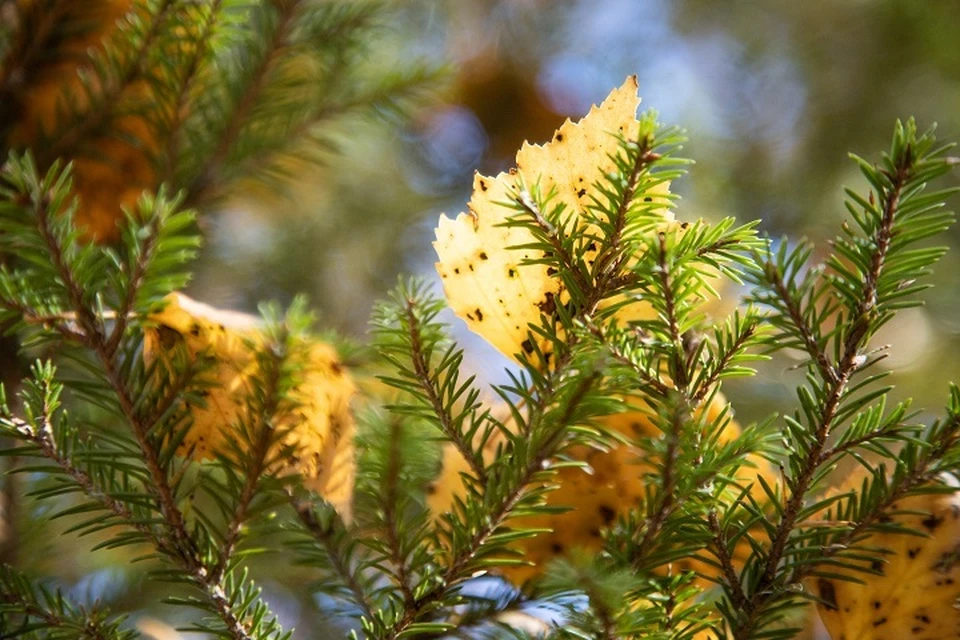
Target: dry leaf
916,592
320,431
485,282
615,483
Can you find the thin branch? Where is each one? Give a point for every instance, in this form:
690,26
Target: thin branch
720,365
100,112
681,376
495,516
426,379
837,384
323,535
178,106
739,598
198,190
388,503
264,436
182,548
810,342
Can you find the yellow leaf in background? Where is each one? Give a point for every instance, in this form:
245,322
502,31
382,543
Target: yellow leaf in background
485,282
917,590
320,433
615,483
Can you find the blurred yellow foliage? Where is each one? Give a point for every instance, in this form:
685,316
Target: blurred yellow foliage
110,171
318,433
615,482
916,586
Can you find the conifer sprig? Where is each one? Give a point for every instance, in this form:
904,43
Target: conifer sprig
27,609
134,476
867,279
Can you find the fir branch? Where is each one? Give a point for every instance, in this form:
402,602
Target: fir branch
63,253
173,129
721,543
906,166
668,501
612,258
324,535
107,101
496,513
264,436
391,499
810,339
40,434
288,11
51,611
555,241
151,235
745,335
429,384
679,362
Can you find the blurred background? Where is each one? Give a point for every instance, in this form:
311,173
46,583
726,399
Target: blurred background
773,94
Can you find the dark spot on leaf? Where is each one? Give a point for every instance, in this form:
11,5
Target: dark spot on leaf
483,185
556,547
913,552
828,594
431,489
607,514
479,315
483,255
548,307
648,199
932,522
592,246
511,273
876,604
168,337
551,271
581,193
879,622
559,137
195,330
527,346
456,270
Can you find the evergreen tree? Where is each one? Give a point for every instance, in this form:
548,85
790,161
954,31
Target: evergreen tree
183,447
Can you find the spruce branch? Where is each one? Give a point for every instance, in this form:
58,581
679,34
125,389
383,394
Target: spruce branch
285,21
866,301
25,608
496,508
326,532
43,231
409,338
185,84
390,503
117,70
263,436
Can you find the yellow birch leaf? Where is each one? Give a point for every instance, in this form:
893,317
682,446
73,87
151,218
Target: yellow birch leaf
917,590
319,433
615,483
487,284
